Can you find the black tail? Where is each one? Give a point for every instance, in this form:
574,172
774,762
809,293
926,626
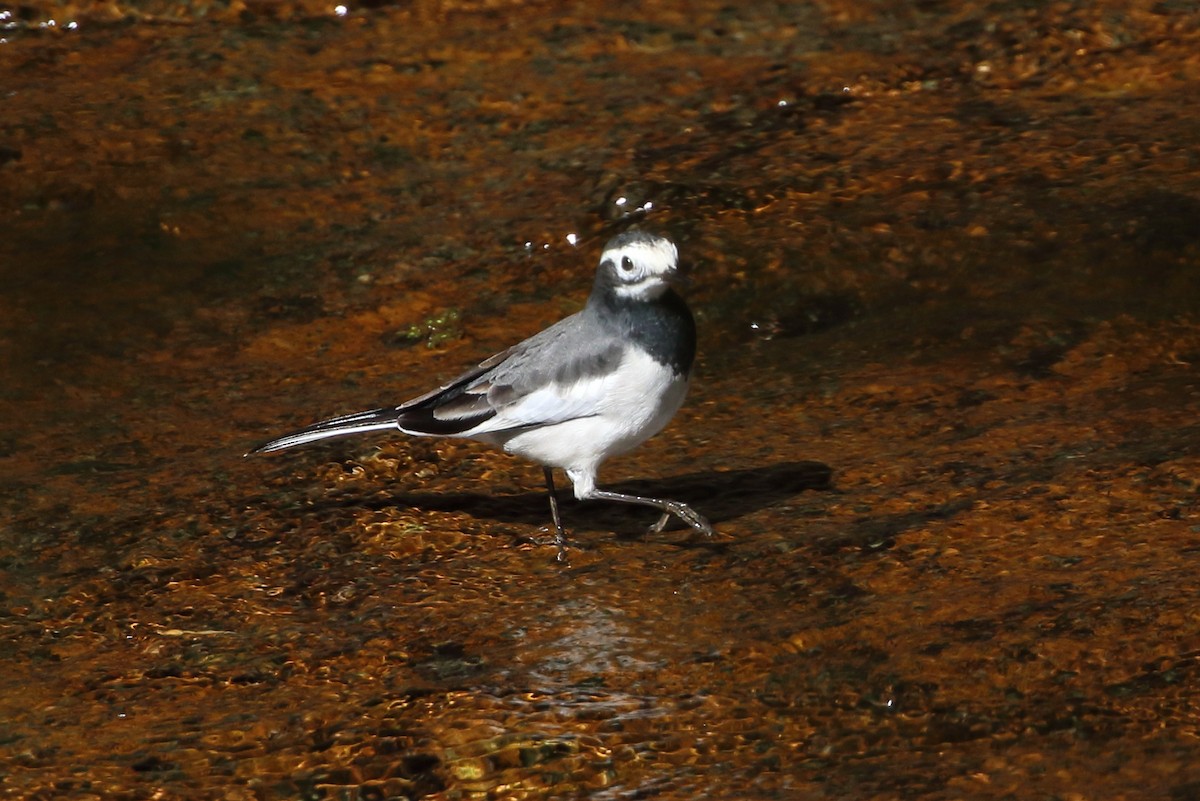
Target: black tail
358,423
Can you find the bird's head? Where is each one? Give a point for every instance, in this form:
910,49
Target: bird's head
637,265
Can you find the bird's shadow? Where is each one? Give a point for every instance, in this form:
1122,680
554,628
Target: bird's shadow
718,495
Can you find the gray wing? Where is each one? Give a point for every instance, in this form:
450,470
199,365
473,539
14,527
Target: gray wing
553,376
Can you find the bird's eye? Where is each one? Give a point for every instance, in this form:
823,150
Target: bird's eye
626,263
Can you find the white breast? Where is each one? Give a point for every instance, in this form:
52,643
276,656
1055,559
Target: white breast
577,426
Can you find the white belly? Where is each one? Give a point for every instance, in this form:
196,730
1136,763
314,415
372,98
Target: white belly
632,404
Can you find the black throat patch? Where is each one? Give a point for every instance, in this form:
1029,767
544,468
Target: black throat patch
663,327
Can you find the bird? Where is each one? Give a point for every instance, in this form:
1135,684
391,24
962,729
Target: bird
593,385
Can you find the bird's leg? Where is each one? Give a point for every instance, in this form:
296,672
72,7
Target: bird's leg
669,508
560,536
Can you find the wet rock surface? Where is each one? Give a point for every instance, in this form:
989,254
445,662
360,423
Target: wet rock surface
944,419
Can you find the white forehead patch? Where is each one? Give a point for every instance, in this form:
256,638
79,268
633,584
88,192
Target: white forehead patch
655,257
640,264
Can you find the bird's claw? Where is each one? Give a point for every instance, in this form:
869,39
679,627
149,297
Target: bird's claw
557,538
687,515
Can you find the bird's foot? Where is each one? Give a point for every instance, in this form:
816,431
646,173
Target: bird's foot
560,542
661,524
685,513
558,539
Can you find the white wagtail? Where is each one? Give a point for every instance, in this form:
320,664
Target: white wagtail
593,385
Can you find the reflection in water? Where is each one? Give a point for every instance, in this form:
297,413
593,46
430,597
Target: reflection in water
588,643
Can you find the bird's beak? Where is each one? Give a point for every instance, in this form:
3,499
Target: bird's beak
680,275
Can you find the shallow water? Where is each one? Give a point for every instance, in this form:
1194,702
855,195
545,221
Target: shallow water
943,263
